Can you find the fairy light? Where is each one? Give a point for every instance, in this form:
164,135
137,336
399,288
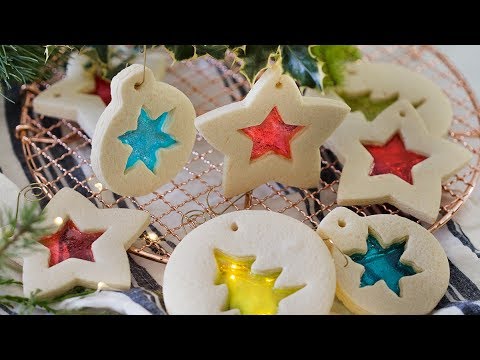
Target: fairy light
58,221
152,236
99,186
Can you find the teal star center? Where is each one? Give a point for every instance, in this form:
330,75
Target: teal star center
383,264
146,140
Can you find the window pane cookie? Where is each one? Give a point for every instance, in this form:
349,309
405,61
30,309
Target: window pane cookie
273,134
369,88
85,247
145,136
81,95
393,159
250,262
395,266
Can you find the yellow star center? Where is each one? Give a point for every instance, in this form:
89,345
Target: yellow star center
252,294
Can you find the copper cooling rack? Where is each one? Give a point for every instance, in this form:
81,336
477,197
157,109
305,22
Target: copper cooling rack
58,154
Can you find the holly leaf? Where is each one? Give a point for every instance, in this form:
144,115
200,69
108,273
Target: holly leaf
181,52
98,53
333,59
255,59
215,51
297,61
102,51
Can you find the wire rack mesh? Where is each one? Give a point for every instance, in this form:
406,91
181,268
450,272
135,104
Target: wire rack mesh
58,154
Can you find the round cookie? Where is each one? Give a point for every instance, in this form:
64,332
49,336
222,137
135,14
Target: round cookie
145,135
250,262
395,266
384,84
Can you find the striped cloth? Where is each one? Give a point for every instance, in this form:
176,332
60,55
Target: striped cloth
460,239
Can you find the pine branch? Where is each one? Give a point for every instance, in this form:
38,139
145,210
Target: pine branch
29,304
6,282
20,234
21,64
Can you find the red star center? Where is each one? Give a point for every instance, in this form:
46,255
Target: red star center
272,135
393,158
69,242
102,89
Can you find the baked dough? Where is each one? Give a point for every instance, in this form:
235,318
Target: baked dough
110,266
156,100
298,164
276,240
420,199
419,293
389,81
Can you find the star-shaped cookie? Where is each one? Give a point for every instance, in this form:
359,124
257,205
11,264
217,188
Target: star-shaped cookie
82,95
409,175
273,134
86,246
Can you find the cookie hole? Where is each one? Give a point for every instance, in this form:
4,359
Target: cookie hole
342,223
57,95
402,113
278,85
234,226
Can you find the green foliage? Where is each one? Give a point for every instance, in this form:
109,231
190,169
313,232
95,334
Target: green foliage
21,64
300,61
215,51
333,59
6,282
185,52
20,234
255,58
28,304
181,52
297,61
25,63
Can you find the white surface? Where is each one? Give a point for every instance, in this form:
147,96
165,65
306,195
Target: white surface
466,58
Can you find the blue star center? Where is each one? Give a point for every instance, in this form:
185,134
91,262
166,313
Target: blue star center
383,264
146,140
